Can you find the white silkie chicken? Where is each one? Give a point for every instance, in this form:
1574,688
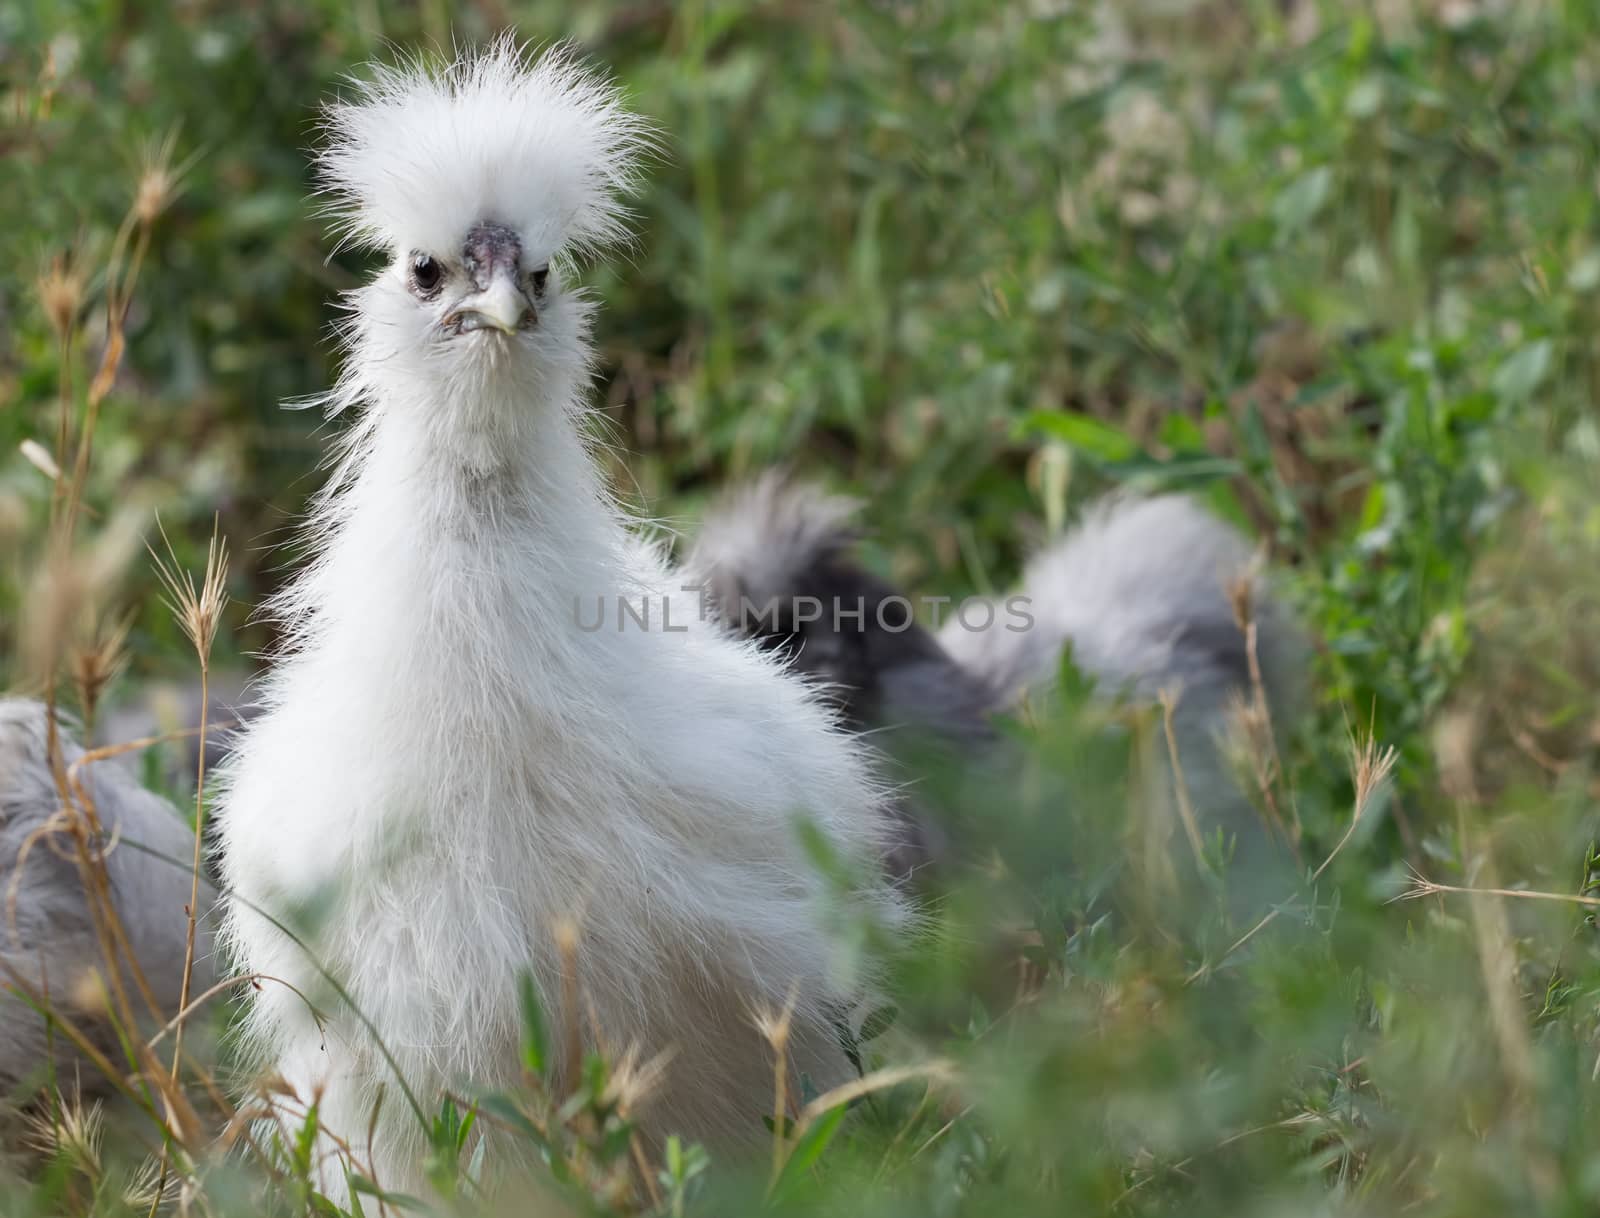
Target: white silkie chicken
452,759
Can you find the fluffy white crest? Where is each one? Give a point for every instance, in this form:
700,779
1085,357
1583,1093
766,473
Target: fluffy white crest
418,156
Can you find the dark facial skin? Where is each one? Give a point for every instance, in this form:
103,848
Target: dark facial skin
490,247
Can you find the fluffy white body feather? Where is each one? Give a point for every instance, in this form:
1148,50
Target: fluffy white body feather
449,764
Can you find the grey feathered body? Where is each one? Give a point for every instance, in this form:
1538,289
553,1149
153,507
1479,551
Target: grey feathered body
1139,590
51,938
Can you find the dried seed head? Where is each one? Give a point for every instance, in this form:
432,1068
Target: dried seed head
155,192
151,1187
632,1082
1241,590
60,289
160,180
55,598
1370,767
197,609
274,1084
65,589
99,662
775,1026
1246,742
72,1133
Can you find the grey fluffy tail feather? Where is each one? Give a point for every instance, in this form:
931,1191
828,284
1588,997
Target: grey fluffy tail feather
1146,592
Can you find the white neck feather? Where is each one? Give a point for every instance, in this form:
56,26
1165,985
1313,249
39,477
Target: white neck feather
507,523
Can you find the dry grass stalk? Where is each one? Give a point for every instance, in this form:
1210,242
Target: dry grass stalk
93,846
57,590
60,289
87,845
82,820
634,1078
76,829
80,1040
158,184
64,596
1456,746
64,835
71,1134
1253,717
222,987
1420,885
775,1027
1497,961
1168,698
1150,819
1370,769
939,1071
198,611
787,1134
566,937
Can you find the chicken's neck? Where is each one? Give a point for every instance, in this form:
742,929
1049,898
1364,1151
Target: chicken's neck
423,549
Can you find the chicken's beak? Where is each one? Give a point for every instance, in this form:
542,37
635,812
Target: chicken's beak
502,306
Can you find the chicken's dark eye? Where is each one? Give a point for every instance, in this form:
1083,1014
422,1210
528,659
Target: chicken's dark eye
426,275
539,279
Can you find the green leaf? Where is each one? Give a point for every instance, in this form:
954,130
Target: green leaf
475,1164
361,1184
355,1196
1299,204
1188,470
1182,434
1088,435
304,1142
809,1148
877,1023
535,1037
1365,98
464,1128
1517,378
503,1109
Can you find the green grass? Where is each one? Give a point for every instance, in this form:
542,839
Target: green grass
1335,267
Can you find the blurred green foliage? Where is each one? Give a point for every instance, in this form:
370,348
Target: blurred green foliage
1334,266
